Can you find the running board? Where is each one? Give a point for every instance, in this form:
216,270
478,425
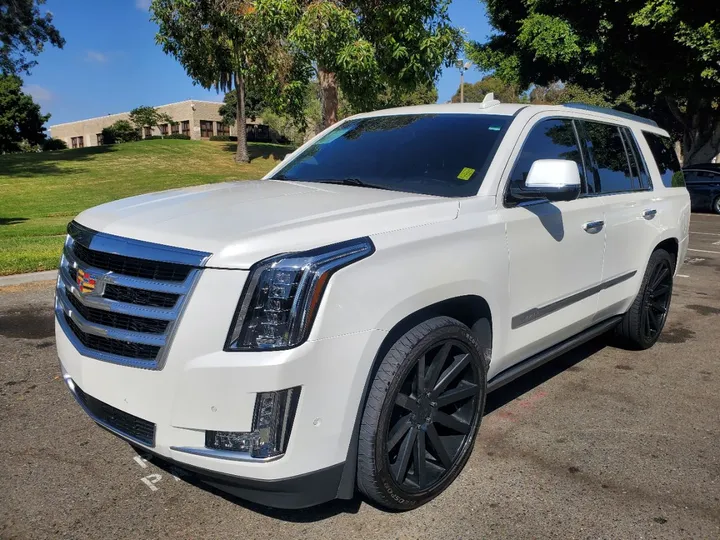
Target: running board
518,370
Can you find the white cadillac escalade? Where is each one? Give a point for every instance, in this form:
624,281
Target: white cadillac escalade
337,325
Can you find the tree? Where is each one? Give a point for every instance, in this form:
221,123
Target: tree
23,33
254,106
20,117
145,116
50,145
120,132
362,46
226,43
476,92
661,55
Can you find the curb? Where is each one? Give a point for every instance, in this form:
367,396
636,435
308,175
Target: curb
19,279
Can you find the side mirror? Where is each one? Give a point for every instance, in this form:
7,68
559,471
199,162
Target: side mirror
552,179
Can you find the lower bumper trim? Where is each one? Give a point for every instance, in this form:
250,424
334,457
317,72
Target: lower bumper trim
293,493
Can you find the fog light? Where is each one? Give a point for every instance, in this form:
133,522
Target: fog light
272,423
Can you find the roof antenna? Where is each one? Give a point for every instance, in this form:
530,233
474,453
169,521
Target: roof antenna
489,101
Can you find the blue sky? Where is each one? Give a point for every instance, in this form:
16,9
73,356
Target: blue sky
110,62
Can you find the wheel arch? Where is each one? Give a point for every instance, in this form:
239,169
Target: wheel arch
672,246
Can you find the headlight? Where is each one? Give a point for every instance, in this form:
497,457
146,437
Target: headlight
282,295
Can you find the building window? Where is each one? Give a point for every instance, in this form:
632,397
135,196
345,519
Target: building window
163,129
99,139
206,128
222,129
186,127
148,131
175,128
77,142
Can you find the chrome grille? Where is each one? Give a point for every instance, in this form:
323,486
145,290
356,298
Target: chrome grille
119,300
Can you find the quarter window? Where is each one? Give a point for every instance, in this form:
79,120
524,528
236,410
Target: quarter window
549,139
666,159
637,164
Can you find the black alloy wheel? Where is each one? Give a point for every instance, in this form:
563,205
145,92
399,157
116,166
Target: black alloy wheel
431,421
422,414
641,326
657,300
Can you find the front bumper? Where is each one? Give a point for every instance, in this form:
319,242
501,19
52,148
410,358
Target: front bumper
204,388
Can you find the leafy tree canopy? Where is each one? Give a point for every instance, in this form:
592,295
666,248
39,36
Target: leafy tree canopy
476,92
20,119
661,55
120,132
145,116
23,33
254,106
366,46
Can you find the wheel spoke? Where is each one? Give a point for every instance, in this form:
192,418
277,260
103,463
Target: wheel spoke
400,467
438,362
406,402
460,362
420,460
646,322
654,322
400,428
456,394
451,422
660,276
438,447
659,307
661,291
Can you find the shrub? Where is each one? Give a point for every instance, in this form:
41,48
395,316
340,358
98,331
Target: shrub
225,138
53,144
152,137
120,132
178,136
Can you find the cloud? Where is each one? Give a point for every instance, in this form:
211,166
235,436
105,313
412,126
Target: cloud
94,56
143,5
38,93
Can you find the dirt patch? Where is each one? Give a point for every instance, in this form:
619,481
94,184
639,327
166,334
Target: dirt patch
676,334
623,367
27,323
704,310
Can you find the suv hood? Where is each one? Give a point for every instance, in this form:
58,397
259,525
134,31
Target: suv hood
243,222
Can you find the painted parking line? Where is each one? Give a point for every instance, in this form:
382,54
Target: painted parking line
706,233
704,251
682,275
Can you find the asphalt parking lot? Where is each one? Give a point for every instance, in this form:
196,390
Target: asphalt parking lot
601,443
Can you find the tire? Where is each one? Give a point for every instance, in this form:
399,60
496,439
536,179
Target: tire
402,421
642,325
716,206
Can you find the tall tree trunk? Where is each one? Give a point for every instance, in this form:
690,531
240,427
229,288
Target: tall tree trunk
329,94
241,154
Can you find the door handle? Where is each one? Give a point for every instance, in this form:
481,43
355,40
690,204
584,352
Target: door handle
593,227
649,214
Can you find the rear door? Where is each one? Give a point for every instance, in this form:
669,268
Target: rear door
619,180
556,258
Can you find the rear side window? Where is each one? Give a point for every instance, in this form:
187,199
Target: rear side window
611,165
637,164
549,139
666,159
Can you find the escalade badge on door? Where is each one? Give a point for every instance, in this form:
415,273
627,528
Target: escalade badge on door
86,283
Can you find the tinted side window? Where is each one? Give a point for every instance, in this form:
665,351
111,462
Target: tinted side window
637,163
548,139
612,167
667,162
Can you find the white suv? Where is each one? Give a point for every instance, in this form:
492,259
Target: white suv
339,323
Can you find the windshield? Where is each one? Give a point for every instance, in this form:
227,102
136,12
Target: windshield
432,154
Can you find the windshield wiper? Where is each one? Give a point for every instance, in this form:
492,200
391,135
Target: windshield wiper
353,182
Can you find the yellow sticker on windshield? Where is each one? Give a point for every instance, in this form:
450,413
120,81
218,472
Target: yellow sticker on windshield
466,174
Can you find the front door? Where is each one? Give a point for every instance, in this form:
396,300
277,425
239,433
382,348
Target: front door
556,249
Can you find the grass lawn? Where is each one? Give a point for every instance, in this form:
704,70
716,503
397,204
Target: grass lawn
40,193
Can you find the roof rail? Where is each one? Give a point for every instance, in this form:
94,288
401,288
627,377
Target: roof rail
612,112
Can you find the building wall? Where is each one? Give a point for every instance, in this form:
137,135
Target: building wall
193,111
